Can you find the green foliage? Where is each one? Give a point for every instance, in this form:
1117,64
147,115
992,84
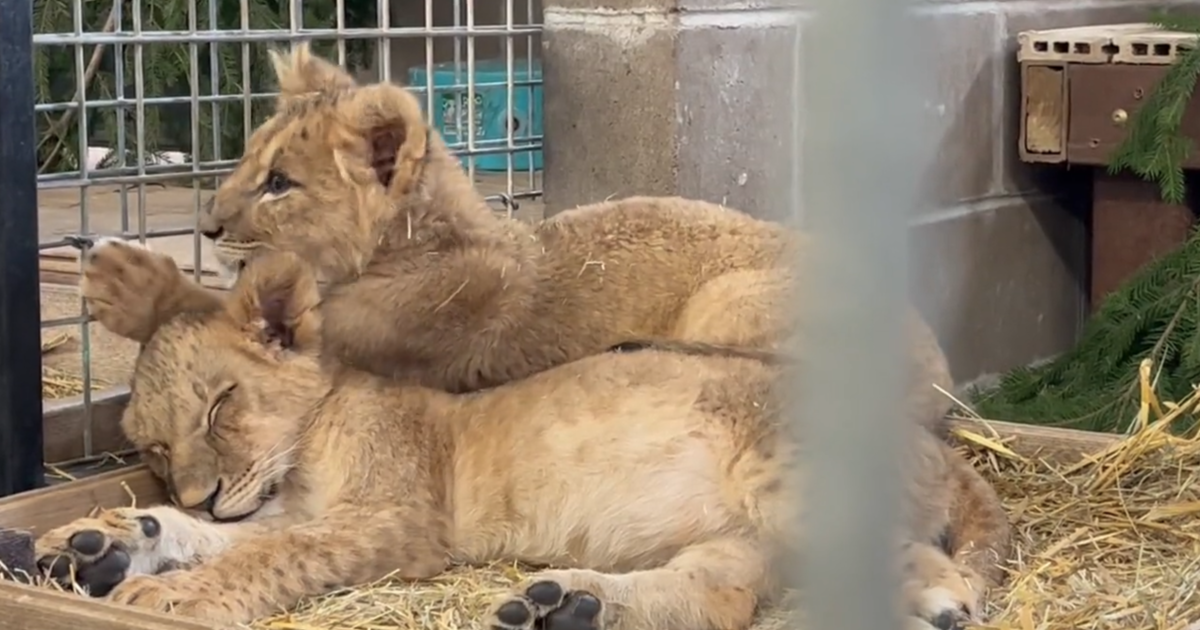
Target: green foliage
1156,315
1155,149
165,73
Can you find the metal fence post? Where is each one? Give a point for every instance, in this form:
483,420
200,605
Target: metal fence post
864,152
20,313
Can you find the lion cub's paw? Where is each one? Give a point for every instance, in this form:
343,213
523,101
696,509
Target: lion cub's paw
99,552
123,282
546,604
943,593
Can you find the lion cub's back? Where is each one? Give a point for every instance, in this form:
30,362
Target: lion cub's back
701,238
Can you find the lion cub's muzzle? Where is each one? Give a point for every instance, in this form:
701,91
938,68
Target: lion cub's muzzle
233,254
269,492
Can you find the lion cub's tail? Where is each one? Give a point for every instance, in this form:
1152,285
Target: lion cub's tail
704,349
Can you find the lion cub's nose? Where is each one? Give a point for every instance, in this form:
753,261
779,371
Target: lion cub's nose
191,500
214,234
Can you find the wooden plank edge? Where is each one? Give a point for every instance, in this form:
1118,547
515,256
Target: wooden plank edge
65,420
40,608
1051,443
42,509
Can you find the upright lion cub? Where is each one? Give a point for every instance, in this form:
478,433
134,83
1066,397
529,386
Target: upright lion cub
428,285
659,485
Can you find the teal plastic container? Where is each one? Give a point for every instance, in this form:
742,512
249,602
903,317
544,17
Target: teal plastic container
490,106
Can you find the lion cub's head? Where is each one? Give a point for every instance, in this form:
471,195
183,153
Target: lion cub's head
325,174
219,398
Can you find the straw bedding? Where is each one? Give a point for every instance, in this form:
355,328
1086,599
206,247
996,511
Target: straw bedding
1111,540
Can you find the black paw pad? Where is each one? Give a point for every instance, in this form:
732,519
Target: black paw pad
88,542
514,613
580,611
57,567
948,620
99,576
545,593
106,573
151,528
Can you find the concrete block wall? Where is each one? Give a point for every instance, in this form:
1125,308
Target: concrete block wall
695,97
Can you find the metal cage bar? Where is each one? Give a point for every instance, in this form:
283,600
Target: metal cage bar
215,46
20,345
856,447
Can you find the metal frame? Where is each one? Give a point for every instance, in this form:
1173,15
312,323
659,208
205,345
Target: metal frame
20,345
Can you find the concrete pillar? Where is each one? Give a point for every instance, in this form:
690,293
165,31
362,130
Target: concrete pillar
665,97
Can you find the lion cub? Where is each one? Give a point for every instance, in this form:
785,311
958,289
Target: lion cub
428,285
658,485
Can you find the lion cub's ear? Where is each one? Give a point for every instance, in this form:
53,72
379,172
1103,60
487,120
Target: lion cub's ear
300,73
389,118
275,301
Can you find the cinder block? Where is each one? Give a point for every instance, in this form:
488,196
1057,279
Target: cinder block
738,115
1001,283
960,54
1132,43
609,120
670,103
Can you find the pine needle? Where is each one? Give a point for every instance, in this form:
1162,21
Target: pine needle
1155,147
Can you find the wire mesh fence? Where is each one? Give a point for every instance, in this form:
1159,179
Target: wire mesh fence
143,105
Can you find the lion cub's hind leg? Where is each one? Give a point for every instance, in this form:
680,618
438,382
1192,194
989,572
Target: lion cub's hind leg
741,308
715,585
942,593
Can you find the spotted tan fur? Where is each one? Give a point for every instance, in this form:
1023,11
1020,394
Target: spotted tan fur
659,483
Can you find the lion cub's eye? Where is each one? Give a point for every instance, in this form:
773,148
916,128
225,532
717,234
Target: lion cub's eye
277,183
216,406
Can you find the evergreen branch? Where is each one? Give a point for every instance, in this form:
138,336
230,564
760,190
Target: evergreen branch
1176,22
1154,147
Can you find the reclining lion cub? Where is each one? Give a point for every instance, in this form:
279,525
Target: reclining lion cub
429,285
657,483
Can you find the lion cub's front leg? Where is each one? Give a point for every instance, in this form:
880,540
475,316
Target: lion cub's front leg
261,574
100,552
131,290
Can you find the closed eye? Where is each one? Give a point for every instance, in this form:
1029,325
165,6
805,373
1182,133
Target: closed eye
160,451
159,460
215,409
